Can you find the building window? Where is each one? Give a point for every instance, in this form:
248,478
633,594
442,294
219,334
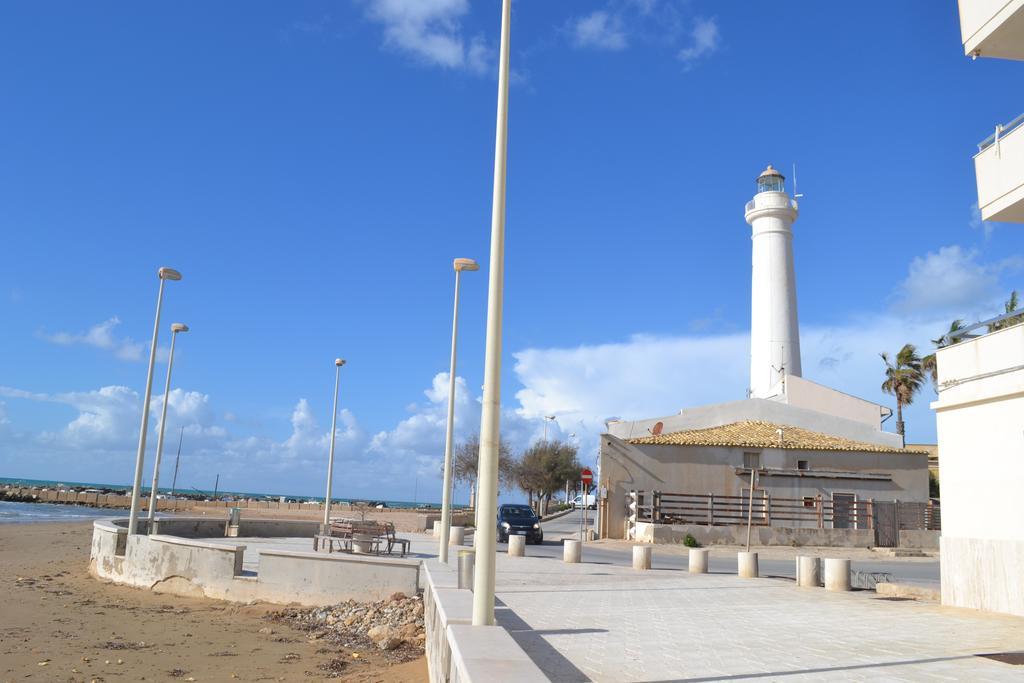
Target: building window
809,502
751,461
803,465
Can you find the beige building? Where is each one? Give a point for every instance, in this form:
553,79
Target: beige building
814,470
794,455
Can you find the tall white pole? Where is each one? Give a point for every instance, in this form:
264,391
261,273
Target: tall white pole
160,437
330,458
140,455
490,427
446,494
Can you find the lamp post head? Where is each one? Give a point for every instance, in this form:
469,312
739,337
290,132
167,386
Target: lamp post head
466,264
179,327
168,274
549,417
338,362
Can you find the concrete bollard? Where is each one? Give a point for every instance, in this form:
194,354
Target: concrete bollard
517,546
467,565
746,564
699,560
808,571
437,529
457,535
837,574
642,557
572,551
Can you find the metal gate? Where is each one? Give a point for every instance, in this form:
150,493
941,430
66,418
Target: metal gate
887,534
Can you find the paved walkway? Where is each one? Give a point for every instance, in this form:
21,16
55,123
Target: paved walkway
599,622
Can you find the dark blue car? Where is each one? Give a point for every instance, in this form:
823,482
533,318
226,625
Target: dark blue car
519,520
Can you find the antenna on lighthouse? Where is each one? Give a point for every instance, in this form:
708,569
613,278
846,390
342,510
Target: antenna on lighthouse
796,195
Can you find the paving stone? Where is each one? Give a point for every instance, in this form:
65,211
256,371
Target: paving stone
609,623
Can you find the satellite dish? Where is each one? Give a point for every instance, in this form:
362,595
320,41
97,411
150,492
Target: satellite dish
656,429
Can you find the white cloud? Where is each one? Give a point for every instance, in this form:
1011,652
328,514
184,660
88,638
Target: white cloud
951,281
977,223
431,31
419,438
705,39
620,23
599,29
104,421
655,376
101,336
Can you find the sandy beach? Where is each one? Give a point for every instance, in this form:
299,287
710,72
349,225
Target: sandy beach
59,624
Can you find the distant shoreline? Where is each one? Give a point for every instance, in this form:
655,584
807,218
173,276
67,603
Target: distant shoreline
110,495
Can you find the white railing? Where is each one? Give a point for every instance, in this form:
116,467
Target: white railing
1001,131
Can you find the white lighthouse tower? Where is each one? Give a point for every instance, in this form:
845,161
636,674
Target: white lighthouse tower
774,331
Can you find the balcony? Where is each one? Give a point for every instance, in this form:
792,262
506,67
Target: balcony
999,167
993,28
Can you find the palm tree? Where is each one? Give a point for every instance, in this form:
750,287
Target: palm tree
929,364
903,379
1009,307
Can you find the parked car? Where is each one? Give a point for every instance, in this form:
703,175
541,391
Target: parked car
589,501
519,520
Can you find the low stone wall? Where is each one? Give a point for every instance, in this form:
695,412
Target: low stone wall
920,539
319,579
458,652
188,566
760,535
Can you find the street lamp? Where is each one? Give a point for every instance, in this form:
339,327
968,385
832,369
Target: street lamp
490,428
460,265
547,418
164,274
175,329
338,362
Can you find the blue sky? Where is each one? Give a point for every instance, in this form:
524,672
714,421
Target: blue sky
313,167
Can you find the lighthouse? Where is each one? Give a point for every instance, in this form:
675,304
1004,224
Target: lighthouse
774,330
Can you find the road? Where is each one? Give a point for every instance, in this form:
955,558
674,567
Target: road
772,561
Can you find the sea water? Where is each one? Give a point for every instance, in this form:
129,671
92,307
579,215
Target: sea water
20,513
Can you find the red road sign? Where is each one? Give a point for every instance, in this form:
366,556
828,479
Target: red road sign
586,476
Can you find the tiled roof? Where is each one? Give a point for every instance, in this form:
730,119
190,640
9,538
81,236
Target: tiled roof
759,434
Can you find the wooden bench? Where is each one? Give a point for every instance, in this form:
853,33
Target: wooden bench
403,543
347,533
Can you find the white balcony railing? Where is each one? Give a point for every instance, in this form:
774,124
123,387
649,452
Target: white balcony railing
999,167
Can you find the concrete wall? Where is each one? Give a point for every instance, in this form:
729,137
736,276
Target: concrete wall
706,469
762,536
187,566
458,652
759,409
803,393
980,424
318,579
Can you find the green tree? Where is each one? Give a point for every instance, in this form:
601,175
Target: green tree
545,467
466,459
929,364
903,379
1010,306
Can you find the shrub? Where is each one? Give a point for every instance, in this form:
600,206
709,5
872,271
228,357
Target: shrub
690,541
